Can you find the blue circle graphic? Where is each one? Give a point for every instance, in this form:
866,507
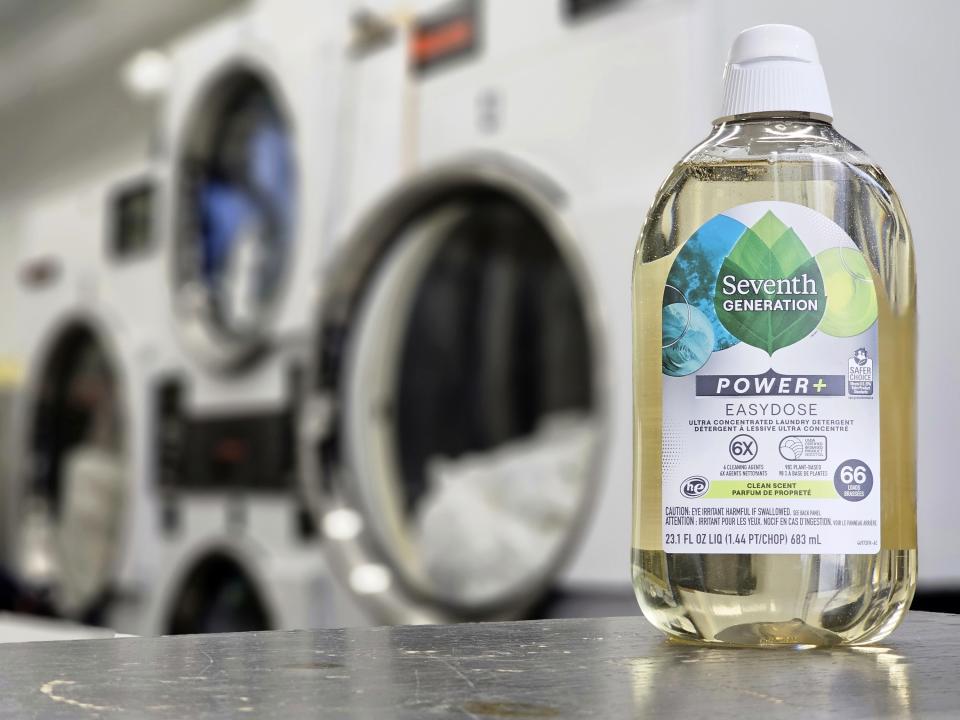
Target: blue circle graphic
687,339
697,266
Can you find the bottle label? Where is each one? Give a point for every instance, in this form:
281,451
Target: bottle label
770,388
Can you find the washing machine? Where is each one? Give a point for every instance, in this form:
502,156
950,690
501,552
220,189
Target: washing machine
245,138
466,443
79,540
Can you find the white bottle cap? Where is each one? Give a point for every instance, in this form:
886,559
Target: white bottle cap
774,68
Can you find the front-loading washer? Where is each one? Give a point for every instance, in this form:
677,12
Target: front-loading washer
246,140
467,442
78,506
459,407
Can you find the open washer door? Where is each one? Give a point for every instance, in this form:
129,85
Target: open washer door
452,440
236,202
72,498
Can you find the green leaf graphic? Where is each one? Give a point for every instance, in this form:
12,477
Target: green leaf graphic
769,228
770,251
790,252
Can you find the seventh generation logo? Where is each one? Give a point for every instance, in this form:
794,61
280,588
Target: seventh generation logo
860,374
763,286
769,291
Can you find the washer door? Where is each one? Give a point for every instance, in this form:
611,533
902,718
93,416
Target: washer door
236,195
455,427
74,493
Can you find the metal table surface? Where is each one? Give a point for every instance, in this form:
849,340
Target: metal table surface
607,668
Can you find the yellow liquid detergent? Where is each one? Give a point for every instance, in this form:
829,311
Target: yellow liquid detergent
774,378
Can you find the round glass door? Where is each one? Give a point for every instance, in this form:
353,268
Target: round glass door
236,200
74,494
467,416
218,596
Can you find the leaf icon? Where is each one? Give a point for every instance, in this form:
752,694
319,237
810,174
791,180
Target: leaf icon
770,251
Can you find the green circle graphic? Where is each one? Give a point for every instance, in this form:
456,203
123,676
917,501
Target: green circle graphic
851,298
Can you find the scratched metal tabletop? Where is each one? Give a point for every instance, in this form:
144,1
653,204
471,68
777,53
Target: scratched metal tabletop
610,668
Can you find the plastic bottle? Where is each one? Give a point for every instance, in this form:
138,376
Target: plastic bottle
774,374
